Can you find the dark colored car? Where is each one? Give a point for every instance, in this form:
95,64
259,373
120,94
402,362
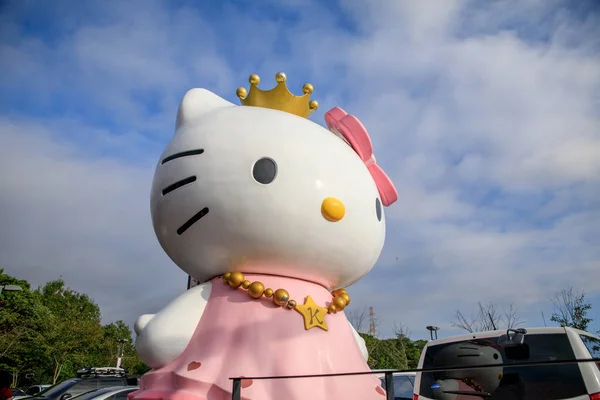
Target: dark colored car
76,386
111,393
35,389
18,393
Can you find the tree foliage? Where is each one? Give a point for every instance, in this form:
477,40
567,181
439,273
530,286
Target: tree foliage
570,309
395,353
488,317
53,331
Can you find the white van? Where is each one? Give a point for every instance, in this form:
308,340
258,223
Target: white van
505,347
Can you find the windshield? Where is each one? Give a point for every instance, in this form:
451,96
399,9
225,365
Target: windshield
544,382
58,389
94,393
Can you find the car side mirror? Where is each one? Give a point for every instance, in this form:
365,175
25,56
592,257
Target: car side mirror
66,396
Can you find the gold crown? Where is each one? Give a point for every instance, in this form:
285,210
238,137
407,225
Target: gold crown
278,98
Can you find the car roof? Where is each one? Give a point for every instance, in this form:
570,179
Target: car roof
580,332
106,390
94,376
110,389
488,334
98,391
498,332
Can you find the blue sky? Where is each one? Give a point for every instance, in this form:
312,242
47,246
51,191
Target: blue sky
484,113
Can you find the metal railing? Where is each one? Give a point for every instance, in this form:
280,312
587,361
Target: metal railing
389,374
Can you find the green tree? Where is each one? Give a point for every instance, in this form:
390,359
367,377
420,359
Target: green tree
23,319
570,309
114,332
385,353
413,351
75,332
53,331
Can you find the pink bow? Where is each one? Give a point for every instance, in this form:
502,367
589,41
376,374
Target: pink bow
355,134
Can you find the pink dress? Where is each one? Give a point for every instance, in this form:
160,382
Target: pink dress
240,336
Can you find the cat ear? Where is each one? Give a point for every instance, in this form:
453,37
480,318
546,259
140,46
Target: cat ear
196,103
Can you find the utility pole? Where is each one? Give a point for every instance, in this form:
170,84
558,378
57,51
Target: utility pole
120,351
372,330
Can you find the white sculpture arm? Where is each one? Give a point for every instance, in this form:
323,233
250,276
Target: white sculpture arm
163,336
361,343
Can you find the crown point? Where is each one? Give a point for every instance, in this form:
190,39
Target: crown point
241,93
254,79
279,97
307,88
280,77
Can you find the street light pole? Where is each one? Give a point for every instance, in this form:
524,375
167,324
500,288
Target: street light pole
120,351
10,288
432,329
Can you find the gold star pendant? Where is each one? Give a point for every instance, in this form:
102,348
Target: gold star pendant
313,314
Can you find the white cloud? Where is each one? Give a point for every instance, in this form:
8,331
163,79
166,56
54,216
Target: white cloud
484,113
86,220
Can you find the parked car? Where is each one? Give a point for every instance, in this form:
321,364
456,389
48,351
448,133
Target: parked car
505,382
88,380
18,394
35,389
54,391
110,393
404,384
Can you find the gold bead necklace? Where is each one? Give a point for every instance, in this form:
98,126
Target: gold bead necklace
309,310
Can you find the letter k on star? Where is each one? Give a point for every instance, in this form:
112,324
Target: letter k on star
313,314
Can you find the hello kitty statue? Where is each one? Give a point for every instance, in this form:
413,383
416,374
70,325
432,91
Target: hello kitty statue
273,214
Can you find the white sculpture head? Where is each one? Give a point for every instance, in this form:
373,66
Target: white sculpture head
257,190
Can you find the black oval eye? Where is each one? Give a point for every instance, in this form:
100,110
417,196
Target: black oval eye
264,170
378,209
495,356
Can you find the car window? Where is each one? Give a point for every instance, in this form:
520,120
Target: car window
403,387
544,382
32,390
59,389
93,394
17,392
83,386
109,382
592,344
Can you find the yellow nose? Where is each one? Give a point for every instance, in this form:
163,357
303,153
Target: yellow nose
333,209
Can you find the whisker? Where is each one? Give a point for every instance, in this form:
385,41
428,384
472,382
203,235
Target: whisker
192,221
182,154
178,184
